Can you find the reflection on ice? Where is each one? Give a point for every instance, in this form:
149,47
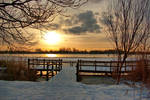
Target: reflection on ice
51,55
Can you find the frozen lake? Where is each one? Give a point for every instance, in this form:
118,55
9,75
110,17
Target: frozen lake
70,57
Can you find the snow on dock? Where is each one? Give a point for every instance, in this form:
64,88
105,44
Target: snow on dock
63,86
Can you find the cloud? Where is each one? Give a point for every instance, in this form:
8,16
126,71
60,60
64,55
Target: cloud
54,26
95,1
51,26
83,23
76,30
70,21
77,24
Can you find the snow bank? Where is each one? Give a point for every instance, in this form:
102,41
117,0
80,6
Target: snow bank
63,86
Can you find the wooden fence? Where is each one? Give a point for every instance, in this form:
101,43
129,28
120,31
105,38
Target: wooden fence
51,67
105,68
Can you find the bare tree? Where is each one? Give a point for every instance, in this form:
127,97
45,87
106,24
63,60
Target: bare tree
144,48
17,15
127,23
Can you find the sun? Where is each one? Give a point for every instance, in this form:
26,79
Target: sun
52,38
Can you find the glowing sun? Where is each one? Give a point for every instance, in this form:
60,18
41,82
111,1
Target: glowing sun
52,38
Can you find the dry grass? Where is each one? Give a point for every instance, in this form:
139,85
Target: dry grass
3,63
17,70
141,73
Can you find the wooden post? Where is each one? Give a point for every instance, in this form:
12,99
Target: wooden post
41,74
61,64
132,67
52,69
110,67
28,63
77,72
125,66
47,74
56,67
40,64
44,63
95,65
79,64
36,61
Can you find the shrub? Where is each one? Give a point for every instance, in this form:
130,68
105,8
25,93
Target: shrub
141,73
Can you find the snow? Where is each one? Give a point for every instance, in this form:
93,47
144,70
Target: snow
103,68
63,86
2,68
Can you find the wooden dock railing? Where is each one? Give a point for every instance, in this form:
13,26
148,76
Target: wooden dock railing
49,66
105,68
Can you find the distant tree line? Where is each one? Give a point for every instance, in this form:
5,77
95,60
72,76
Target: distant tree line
67,51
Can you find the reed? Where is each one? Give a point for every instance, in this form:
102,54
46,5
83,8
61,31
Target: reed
17,70
3,63
141,73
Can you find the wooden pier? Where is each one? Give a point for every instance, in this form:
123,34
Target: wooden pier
50,67
101,68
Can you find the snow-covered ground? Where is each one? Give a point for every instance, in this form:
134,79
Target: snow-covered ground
63,86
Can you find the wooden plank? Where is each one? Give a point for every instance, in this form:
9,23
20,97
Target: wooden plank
43,63
93,71
46,69
69,61
104,66
88,61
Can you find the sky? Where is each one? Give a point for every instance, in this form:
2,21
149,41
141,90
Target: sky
80,28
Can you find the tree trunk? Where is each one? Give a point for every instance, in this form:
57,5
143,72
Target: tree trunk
121,62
